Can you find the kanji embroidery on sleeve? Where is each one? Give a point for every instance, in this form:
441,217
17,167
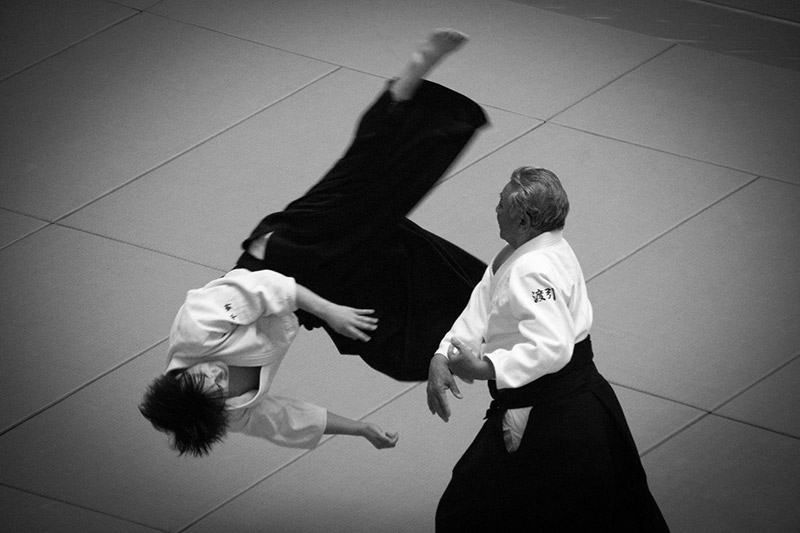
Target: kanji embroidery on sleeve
543,294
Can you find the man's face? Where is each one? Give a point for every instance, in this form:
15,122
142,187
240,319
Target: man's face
214,375
506,220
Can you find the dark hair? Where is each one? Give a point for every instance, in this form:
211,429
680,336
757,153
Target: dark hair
541,196
176,404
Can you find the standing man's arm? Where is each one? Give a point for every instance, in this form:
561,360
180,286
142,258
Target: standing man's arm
468,329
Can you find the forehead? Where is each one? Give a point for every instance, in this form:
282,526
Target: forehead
509,188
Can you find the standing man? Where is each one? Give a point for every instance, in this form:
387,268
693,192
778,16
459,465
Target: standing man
555,452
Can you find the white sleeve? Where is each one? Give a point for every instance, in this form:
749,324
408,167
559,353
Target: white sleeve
283,421
546,329
249,295
211,313
470,326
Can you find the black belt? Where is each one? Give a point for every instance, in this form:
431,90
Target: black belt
548,388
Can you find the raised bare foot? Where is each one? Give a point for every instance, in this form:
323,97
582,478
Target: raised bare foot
441,42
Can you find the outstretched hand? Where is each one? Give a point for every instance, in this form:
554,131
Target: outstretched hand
440,380
379,438
350,322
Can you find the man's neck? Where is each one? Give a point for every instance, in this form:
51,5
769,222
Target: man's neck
523,237
242,379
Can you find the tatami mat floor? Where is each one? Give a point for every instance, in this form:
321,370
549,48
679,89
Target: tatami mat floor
142,140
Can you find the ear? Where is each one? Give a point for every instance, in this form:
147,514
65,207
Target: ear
524,222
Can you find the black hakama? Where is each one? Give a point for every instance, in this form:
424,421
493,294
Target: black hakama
577,468
348,238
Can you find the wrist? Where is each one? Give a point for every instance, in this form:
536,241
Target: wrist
361,429
439,360
487,369
325,311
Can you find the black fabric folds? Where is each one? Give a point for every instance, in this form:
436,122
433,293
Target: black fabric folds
576,469
348,238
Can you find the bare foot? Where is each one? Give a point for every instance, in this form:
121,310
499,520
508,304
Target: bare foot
439,43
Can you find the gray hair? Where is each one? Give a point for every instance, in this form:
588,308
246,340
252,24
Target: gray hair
541,196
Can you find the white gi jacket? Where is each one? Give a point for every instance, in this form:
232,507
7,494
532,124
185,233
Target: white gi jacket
525,316
247,319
